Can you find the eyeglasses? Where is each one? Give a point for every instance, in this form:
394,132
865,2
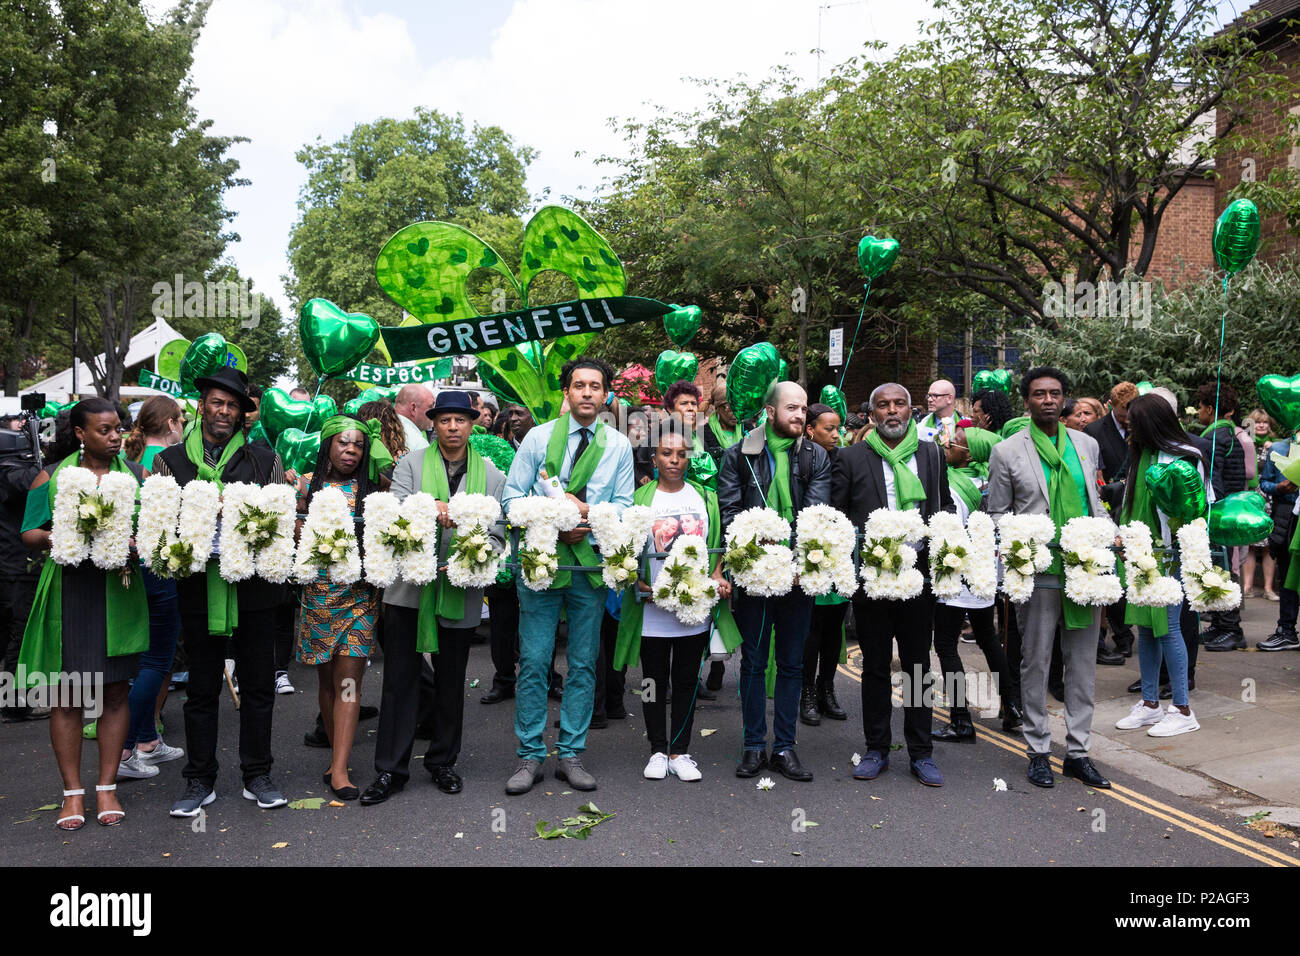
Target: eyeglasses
940,395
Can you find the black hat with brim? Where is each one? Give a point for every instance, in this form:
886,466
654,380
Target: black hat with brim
450,401
230,380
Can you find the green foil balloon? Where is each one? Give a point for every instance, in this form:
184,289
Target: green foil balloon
298,450
257,433
783,372
1280,397
353,406
1177,490
832,396
280,413
323,407
1236,236
703,470
682,323
674,366
51,409
876,255
205,356
1240,519
998,379
335,341
751,374
1144,387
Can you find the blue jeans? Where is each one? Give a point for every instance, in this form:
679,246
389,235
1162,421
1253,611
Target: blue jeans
1150,650
539,613
791,617
155,663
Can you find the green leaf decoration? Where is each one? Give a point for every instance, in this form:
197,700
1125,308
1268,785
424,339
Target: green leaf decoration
559,240
424,268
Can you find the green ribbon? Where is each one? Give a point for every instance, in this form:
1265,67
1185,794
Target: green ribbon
223,597
779,498
444,600
1139,506
126,607
582,552
1066,502
380,457
907,486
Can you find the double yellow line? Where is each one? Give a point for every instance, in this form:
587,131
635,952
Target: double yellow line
1223,836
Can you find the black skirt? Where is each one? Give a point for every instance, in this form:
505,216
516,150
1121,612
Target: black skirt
85,627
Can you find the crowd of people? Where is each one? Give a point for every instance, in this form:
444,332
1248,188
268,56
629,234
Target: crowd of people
696,467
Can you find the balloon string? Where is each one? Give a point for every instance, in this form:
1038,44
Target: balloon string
845,370
1218,375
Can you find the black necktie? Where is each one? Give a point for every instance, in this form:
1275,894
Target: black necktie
583,441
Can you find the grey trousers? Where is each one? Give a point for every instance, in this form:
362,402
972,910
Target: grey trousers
1040,618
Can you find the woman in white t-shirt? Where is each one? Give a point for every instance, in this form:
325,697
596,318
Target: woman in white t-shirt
671,651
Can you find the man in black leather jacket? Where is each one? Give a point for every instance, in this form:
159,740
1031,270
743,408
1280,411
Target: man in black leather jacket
745,481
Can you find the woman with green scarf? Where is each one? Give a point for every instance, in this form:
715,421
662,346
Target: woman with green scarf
1155,437
336,622
84,621
670,651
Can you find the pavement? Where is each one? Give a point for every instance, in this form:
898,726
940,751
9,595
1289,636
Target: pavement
1178,802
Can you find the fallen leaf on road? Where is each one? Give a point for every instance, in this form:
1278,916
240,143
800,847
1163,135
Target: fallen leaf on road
708,732
307,803
459,836
165,855
565,793
27,820
1082,809
337,803
278,846
1229,717
877,798
875,826
809,823
795,853
48,806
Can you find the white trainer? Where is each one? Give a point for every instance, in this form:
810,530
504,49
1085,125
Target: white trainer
1141,716
1175,723
657,768
683,767
135,767
160,754
282,684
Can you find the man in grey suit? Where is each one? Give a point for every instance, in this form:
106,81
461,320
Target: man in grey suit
1046,469
407,625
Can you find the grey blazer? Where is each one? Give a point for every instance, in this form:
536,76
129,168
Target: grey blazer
406,481
1016,480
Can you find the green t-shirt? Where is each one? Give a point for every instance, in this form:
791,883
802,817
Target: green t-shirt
147,456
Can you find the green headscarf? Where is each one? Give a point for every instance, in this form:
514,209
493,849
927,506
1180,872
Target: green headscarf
980,442
380,457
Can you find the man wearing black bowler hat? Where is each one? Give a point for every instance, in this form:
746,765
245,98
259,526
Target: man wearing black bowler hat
213,610
438,617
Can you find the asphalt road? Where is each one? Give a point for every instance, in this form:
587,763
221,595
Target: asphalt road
720,820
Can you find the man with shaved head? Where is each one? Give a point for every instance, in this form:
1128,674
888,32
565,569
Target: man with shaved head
892,468
940,401
412,405
773,467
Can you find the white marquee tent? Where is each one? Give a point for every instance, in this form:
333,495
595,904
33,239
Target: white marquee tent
144,347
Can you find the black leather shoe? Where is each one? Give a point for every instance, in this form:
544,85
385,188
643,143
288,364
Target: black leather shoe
786,763
497,694
1226,642
751,763
1135,687
317,738
1057,691
808,712
961,730
385,786
616,713
1106,656
555,693
826,702
446,779
1082,768
1013,717
716,672
1166,692
1040,771
703,693
1124,644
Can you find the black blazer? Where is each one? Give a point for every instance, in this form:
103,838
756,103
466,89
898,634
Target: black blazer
1114,448
858,485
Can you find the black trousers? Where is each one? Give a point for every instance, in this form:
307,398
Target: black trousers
676,659
286,620
17,591
947,631
611,684
824,642
880,624
1114,618
399,704
1009,632
253,646
1288,605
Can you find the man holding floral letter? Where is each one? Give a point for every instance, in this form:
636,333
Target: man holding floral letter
892,469
1044,470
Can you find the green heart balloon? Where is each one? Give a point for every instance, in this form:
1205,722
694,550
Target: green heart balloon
998,379
1236,236
205,356
298,449
751,374
258,433
335,341
1177,489
381,394
280,413
323,407
1280,397
674,366
702,469
1240,519
876,255
682,323
832,396
783,372
51,409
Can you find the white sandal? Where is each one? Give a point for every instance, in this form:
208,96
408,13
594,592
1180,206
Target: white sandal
121,814
79,817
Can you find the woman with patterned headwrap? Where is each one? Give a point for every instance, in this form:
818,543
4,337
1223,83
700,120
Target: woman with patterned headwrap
336,622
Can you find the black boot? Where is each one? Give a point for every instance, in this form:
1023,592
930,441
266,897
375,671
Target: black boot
826,702
961,730
808,712
1013,716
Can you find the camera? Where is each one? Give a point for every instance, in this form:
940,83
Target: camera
33,401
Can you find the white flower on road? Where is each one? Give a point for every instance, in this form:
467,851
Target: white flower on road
999,785
765,783
855,759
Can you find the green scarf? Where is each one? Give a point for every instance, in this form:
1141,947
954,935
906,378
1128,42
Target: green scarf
779,498
907,486
627,649
444,600
964,487
582,552
726,436
1139,506
126,607
223,597
1215,426
1065,499
1014,425
380,458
